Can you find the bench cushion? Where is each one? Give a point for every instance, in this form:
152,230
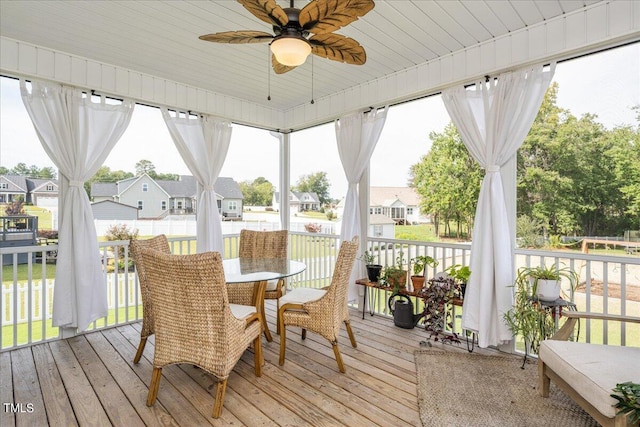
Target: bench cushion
592,370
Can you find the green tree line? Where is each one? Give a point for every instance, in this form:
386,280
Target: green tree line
574,176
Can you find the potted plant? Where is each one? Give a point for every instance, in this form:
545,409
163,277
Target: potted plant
546,280
628,396
461,274
420,263
395,275
373,269
528,317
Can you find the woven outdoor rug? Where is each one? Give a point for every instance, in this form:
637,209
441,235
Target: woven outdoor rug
469,389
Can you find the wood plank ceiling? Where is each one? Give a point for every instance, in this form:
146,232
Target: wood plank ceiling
160,38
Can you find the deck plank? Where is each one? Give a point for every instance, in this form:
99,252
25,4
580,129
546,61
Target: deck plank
92,380
115,403
26,389
133,387
7,418
85,402
57,404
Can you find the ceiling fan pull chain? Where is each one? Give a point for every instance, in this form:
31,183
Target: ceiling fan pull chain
268,74
312,101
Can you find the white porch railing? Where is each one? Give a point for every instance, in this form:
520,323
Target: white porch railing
608,284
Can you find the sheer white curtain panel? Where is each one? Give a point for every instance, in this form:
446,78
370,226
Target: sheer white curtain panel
493,119
357,135
203,143
77,134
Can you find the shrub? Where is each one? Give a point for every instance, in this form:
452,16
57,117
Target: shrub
313,227
120,232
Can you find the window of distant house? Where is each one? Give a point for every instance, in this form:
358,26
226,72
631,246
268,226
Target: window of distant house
163,205
377,230
233,205
49,187
139,204
378,211
145,187
179,204
409,211
4,185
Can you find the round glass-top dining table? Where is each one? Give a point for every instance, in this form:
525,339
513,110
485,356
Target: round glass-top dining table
259,271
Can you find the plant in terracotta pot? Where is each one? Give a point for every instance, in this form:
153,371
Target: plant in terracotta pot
420,263
373,269
395,275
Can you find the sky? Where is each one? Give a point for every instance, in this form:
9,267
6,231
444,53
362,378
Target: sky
607,84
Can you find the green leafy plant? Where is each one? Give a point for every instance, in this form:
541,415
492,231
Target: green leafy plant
548,273
527,317
461,274
437,296
420,262
368,257
395,275
628,397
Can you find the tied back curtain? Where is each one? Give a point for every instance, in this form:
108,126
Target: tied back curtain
203,143
493,119
77,134
357,135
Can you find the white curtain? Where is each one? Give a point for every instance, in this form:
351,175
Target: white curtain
493,119
357,135
203,143
78,135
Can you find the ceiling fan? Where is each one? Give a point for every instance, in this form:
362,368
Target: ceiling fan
299,32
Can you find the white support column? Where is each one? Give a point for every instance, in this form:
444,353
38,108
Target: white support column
508,172
285,179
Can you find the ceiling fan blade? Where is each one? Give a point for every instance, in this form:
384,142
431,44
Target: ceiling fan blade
278,68
236,37
266,10
325,16
338,48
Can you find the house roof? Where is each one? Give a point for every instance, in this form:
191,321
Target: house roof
17,182
122,205
186,186
377,219
104,189
35,184
386,196
301,195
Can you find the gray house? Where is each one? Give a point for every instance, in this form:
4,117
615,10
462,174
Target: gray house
37,191
157,199
298,201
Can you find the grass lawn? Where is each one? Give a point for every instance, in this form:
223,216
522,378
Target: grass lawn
420,233
44,216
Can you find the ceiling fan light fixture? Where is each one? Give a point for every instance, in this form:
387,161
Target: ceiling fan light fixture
291,50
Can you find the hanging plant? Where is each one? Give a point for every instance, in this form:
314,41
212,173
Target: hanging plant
437,296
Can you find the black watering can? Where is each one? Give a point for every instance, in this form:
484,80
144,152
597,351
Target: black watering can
402,309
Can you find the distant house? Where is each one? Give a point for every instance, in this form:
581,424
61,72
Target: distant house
298,201
36,191
401,204
381,226
110,210
157,199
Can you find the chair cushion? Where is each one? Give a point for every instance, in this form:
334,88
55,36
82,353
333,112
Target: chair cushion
241,311
272,285
302,295
592,370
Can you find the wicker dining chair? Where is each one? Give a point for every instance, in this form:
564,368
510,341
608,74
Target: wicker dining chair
321,310
260,244
158,243
194,322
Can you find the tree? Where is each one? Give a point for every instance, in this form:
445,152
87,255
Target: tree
448,181
316,182
257,193
145,166
105,174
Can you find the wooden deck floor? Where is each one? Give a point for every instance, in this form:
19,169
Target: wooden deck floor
91,380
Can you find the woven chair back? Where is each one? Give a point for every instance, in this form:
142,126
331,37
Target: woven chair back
158,243
263,244
193,321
